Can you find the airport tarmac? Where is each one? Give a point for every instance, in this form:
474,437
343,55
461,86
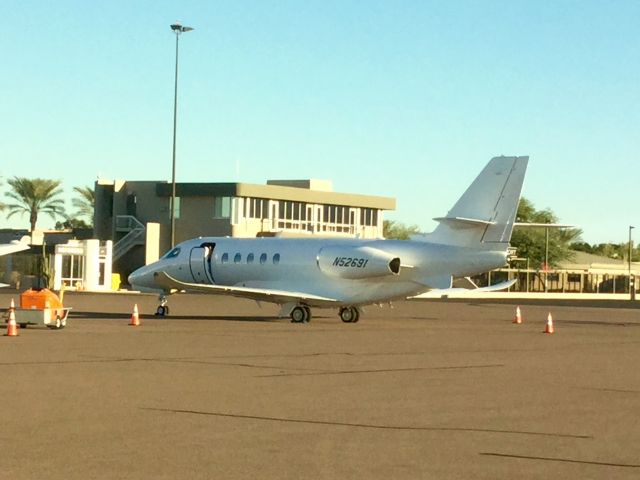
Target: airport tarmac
223,389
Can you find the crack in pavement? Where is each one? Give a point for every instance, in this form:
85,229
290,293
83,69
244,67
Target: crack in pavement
365,425
566,460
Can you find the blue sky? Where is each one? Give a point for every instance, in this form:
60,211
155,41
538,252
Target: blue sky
407,99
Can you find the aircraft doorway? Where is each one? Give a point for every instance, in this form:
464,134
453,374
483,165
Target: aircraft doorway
200,263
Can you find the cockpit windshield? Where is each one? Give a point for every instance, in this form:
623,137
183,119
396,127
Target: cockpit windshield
172,253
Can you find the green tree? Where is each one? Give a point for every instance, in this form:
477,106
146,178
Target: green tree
530,242
84,203
2,205
34,196
398,230
71,224
619,251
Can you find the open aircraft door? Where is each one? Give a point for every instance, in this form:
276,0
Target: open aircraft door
200,263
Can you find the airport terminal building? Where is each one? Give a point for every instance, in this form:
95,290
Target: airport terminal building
136,214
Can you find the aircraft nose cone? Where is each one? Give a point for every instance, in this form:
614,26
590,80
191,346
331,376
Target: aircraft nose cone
138,278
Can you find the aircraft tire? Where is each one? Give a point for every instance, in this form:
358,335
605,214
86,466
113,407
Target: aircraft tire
356,315
346,314
299,315
308,312
162,311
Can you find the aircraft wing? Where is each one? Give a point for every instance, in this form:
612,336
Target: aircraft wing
497,287
466,291
166,281
7,248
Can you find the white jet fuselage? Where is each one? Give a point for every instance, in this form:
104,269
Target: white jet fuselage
347,271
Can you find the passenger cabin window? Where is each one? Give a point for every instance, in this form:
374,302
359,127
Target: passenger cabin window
250,258
225,258
237,258
263,259
276,259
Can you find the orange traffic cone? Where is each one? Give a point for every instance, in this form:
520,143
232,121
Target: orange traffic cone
12,326
518,318
549,327
135,318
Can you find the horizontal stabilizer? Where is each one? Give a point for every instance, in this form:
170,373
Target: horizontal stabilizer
166,281
461,222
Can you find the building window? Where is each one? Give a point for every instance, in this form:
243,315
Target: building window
369,217
222,207
177,210
237,258
257,208
250,258
225,258
263,259
276,259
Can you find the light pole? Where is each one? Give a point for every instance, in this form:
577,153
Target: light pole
632,287
177,29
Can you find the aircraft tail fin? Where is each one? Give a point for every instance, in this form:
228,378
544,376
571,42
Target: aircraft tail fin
487,210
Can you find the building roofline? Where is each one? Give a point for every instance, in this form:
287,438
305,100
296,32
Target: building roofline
275,192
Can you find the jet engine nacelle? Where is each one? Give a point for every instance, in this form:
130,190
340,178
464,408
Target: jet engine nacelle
357,262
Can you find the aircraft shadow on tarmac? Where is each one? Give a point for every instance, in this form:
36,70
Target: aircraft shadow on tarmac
230,318
587,303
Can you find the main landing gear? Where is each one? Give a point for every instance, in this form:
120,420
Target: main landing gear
300,314
163,308
349,314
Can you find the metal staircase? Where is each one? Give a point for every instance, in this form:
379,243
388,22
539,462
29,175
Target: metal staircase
136,235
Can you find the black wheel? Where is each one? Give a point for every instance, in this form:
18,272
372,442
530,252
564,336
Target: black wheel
298,315
23,325
58,323
308,312
346,314
162,310
356,315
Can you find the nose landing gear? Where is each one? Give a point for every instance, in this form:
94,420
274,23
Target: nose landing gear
163,308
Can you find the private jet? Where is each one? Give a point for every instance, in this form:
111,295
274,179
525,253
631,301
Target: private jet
349,273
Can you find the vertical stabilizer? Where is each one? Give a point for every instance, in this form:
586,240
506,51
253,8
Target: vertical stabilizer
486,212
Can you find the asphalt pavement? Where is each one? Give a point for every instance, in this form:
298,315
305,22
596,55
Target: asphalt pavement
223,389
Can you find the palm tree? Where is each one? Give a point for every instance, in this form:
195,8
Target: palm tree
35,196
2,205
85,203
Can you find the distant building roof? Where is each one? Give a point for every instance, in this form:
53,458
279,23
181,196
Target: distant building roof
303,191
588,262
